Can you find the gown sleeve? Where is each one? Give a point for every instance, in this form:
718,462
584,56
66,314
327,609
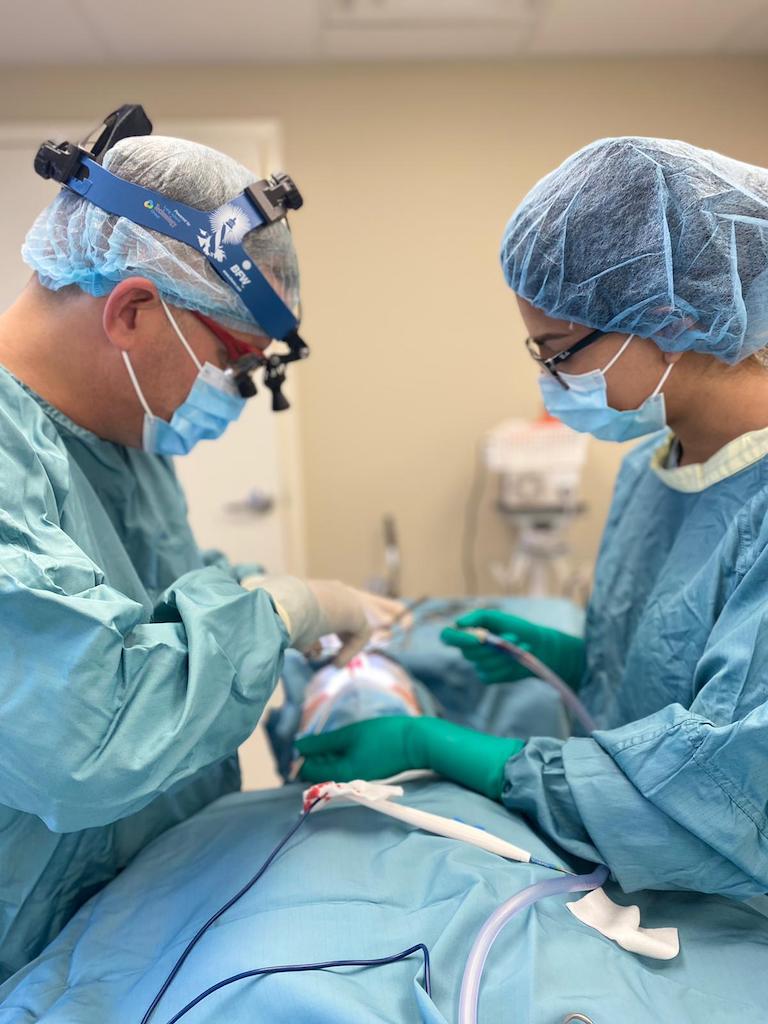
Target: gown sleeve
103,706
676,800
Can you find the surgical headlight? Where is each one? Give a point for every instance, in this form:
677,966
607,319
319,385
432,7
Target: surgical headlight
217,234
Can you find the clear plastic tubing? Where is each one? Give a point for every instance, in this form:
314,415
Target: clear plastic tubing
470,985
569,698
538,668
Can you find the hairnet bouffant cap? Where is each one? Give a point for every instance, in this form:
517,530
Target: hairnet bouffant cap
651,237
75,242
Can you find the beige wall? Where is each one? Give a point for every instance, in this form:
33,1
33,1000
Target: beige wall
409,174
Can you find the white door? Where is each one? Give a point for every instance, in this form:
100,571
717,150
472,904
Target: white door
244,489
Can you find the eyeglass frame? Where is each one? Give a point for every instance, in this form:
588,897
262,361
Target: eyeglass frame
560,357
235,348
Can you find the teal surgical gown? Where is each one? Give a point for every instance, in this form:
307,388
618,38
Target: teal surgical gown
672,791
131,665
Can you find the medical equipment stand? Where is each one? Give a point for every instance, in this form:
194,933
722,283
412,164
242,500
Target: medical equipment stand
540,564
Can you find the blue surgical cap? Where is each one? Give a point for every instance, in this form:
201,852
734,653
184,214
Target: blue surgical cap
651,237
75,242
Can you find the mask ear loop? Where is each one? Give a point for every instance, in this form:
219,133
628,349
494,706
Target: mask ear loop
619,354
132,372
663,380
180,336
136,385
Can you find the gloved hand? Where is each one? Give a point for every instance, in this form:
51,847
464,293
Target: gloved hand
382,612
344,611
314,608
561,652
381,747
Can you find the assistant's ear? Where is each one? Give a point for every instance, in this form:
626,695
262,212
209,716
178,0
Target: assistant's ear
122,318
673,357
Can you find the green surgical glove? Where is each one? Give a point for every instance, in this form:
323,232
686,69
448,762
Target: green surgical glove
380,747
561,652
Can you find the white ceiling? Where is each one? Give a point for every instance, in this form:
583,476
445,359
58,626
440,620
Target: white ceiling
157,31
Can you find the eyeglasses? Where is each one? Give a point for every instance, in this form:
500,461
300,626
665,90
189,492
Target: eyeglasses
553,361
236,348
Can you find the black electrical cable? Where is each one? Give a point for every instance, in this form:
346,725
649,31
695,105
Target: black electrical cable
284,969
395,958
222,910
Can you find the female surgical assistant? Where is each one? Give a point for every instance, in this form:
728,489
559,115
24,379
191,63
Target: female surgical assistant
640,268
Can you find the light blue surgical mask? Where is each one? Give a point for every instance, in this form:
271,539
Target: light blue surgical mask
211,405
584,405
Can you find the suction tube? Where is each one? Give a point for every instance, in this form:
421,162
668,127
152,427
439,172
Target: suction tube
470,985
538,668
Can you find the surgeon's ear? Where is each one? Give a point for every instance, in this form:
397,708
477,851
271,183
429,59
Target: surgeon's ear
126,309
673,357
